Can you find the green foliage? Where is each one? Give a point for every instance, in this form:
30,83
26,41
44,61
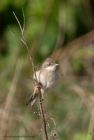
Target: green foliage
78,66
83,136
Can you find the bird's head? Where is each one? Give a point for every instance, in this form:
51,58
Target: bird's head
49,64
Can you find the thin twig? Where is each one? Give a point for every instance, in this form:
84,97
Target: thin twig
23,20
23,40
43,115
18,22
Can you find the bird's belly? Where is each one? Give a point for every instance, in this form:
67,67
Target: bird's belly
51,82
47,80
43,81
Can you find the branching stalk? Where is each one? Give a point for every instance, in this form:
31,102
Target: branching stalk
23,40
43,115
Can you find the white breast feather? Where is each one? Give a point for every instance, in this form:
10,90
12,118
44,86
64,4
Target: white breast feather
45,78
41,77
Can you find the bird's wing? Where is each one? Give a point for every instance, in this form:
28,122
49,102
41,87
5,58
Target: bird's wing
36,76
41,77
31,99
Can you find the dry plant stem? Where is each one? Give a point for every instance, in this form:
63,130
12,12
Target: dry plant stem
43,115
23,40
5,118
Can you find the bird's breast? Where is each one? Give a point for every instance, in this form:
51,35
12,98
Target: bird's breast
51,80
47,79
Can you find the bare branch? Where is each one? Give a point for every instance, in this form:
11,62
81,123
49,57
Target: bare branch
18,22
23,40
43,115
23,20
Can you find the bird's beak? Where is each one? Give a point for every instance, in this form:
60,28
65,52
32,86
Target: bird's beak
57,65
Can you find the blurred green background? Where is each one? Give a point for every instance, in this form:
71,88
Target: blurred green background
49,26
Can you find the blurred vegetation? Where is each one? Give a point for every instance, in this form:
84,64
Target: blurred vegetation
46,21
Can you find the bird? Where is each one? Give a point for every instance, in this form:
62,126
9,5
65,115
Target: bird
46,77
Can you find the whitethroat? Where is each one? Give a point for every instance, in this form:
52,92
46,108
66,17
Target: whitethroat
46,76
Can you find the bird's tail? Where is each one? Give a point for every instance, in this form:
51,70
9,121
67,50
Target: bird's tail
33,97
31,100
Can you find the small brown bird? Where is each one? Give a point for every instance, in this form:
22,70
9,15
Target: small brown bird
46,76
